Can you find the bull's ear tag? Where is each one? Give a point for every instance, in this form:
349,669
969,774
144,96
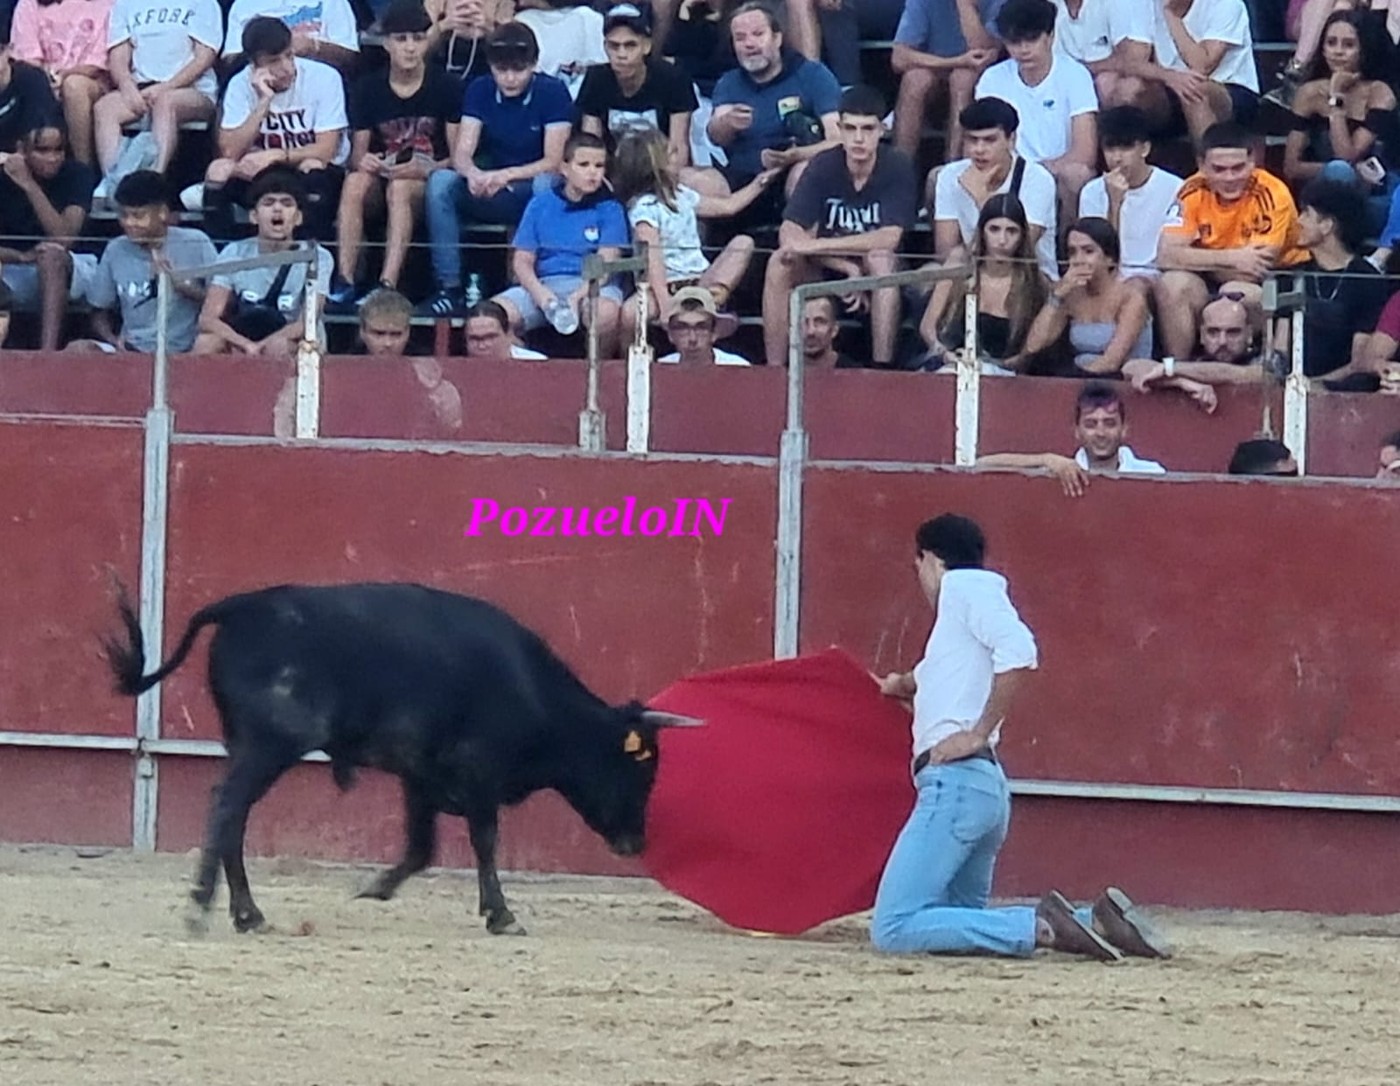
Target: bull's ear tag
633,746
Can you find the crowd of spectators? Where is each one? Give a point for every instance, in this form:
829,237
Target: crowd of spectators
741,142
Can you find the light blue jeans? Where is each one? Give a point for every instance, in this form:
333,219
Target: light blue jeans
933,894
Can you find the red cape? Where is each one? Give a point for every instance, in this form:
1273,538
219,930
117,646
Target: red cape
779,814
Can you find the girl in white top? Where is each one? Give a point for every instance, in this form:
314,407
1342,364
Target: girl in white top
664,214
161,54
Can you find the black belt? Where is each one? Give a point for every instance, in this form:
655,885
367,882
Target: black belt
986,753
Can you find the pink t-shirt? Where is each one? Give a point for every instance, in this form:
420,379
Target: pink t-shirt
63,36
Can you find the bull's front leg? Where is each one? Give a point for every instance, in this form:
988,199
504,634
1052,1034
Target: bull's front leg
499,919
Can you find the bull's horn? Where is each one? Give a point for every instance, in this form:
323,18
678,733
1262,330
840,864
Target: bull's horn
657,718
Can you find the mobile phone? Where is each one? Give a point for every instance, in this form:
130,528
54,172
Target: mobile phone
405,155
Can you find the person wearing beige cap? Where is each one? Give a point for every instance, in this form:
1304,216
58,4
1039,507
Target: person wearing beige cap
694,324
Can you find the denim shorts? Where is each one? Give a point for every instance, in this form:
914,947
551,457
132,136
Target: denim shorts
532,316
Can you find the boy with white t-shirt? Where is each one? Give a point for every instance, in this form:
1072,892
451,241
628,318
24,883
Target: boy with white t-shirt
323,30
1053,95
1110,38
1135,196
959,189
161,55
1203,70
281,109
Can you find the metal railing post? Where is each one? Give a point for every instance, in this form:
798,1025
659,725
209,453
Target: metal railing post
155,519
1295,388
591,421
308,377
792,452
967,409
155,506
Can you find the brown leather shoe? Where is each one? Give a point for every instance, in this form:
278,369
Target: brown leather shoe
1070,934
1116,918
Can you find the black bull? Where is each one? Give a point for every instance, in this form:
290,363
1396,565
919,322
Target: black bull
468,708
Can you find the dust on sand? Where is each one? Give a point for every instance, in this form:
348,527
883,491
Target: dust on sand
619,982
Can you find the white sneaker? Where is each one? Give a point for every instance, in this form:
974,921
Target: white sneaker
192,198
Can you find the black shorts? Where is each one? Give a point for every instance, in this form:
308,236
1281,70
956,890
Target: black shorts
1244,102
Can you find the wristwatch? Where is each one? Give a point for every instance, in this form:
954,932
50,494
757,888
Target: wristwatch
1336,101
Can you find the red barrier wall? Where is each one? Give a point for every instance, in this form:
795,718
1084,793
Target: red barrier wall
1230,634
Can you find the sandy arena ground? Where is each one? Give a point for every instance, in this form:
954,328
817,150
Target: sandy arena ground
621,983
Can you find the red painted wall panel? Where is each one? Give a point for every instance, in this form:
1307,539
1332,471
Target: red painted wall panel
1345,431
75,384
243,517
1037,415
1202,856
1237,635
65,797
72,502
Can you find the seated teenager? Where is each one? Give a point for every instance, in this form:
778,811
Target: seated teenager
125,280
511,138
45,198
1010,291
325,31
282,109
403,122
67,41
561,226
664,213
162,65
258,311
1106,319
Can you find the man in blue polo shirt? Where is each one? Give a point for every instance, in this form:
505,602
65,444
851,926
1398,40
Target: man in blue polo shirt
561,226
510,142
776,110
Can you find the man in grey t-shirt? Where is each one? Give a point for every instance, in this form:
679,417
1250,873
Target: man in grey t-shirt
125,279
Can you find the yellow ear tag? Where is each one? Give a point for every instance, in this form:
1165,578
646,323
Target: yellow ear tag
633,746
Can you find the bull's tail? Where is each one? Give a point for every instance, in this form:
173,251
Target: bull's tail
127,658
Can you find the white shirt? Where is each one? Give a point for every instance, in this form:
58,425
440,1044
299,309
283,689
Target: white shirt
1128,462
1212,20
315,102
1146,209
978,634
722,358
325,20
952,201
517,351
568,36
1101,25
1047,109
162,34
678,230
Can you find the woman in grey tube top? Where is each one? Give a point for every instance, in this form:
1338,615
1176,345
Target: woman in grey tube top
1106,316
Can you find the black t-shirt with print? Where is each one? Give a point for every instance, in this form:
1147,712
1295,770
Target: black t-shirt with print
20,227
826,198
26,99
1338,306
665,91
419,121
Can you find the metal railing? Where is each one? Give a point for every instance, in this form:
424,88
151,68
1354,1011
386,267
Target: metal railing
155,503
1295,386
591,423
792,452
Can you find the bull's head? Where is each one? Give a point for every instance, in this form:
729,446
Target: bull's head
613,800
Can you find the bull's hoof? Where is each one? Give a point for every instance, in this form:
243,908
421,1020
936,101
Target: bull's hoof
196,919
250,920
379,890
504,923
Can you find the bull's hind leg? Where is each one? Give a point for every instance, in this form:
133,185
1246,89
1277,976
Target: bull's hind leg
499,919
420,824
250,774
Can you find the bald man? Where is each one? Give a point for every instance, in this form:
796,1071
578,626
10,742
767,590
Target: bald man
1228,355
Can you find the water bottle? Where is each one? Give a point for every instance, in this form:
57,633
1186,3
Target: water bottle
473,290
561,315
